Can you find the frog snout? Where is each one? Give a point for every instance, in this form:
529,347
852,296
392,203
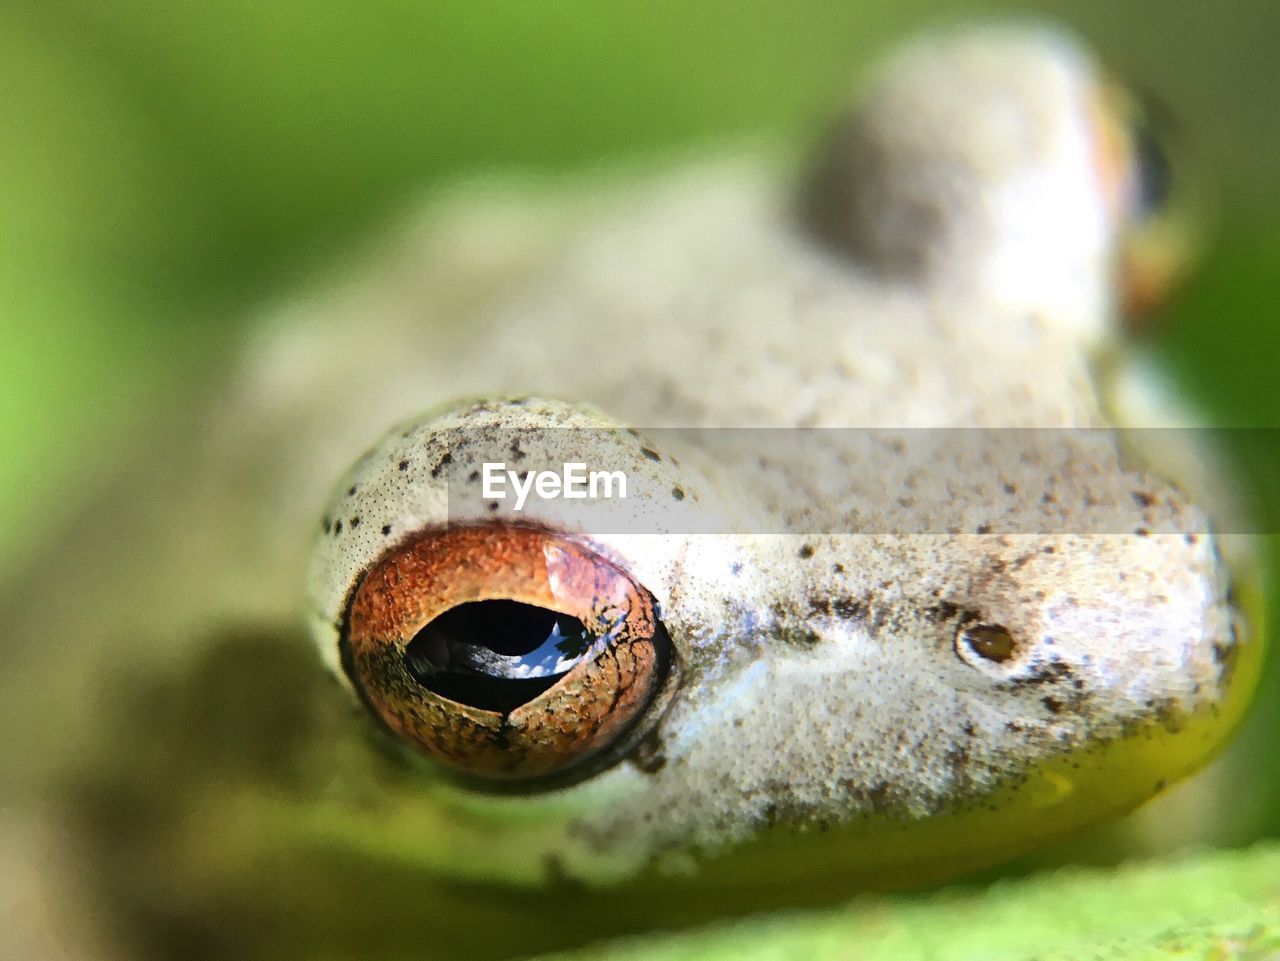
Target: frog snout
1122,623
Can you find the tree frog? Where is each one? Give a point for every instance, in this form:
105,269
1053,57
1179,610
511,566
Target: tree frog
876,594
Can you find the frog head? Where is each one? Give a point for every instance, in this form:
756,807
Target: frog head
712,666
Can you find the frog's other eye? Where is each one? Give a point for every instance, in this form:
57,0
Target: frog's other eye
505,653
1153,171
985,644
1146,186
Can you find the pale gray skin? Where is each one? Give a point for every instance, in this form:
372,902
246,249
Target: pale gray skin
819,676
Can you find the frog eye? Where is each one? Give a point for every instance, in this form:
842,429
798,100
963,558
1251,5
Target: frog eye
1153,205
505,653
1152,170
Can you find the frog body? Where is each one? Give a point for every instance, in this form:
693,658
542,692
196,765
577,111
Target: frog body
925,609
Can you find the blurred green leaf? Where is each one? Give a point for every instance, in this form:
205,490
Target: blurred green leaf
1214,908
85,214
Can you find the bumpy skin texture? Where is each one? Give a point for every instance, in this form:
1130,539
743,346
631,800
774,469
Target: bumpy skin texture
832,726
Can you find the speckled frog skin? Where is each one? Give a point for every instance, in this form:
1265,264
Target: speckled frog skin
885,670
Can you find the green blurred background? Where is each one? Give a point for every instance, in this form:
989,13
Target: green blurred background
166,165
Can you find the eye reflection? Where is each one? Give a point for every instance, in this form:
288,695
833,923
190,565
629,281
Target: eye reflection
497,655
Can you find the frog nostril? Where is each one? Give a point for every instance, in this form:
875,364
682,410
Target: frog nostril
991,642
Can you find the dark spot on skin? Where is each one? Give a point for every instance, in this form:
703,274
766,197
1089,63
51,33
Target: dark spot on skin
1224,652
516,452
806,551
1142,532
945,611
648,756
1049,673
1052,704
473,476
1166,715
837,568
735,568
788,632
386,529
556,875
969,729
958,757
445,461
355,522
879,794
337,528
804,636
651,454
1048,498
677,493
493,505
1010,488
1049,550
1190,539
1143,499
351,490
984,528
845,607
403,465
326,524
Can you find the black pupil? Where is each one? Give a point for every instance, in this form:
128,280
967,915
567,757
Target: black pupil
495,655
1154,173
